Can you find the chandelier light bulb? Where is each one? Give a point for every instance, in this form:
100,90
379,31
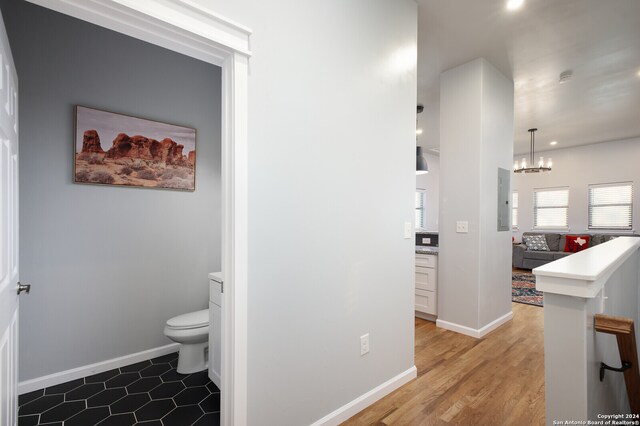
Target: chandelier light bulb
515,166
523,164
549,163
541,162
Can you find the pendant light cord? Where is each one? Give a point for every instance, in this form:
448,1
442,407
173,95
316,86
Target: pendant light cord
532,156
533,138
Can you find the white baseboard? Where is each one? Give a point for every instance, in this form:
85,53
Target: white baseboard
363,401
88,370
477,333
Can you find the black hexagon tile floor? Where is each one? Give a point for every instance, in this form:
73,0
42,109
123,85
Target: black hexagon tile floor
146,393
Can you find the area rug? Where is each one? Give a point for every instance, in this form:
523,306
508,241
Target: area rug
523,289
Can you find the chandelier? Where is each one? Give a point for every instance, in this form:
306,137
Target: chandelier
541,167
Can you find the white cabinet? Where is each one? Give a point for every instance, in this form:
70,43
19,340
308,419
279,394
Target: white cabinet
215,337
426,285
215,327
426,302
425,278
426,260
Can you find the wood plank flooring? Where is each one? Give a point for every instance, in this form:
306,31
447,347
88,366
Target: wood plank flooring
496,380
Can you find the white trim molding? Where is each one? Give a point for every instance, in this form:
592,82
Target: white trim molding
363,401
178,25
235,72
473,332
188,28
99,367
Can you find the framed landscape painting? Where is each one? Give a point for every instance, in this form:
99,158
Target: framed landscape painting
117,149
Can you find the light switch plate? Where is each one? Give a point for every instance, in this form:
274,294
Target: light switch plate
364,344
462,227
408,227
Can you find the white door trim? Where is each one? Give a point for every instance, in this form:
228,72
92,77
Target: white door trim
9,231
190,29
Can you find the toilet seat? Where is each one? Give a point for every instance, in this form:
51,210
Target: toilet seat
189,321
191,331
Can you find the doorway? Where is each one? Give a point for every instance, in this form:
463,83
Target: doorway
224,45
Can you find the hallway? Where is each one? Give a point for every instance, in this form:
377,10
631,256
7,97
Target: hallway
496,380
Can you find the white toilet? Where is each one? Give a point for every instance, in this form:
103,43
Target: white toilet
192,332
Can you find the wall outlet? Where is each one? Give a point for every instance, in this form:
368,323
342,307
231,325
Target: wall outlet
426,241
364,344
462,227
408,227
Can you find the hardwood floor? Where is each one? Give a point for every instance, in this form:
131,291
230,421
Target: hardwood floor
496,380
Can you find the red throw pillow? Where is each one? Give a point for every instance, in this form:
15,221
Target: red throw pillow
576,243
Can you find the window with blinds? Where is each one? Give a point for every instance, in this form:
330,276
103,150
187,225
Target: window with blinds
514,210
611,206
550,208
420,220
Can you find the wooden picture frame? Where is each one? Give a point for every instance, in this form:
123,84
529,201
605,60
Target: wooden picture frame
142,153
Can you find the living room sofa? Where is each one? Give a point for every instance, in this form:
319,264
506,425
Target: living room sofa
529,259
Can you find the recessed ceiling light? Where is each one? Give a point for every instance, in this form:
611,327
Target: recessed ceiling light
638,73
418,131
514,4
553,143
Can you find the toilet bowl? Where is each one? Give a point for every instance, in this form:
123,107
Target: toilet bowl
192,332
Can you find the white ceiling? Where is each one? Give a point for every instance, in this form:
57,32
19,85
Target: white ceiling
599,40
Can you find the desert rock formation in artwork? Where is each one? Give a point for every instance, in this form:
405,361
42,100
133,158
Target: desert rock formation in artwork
167,151
91,142
136,161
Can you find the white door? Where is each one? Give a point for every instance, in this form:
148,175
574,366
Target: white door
8,234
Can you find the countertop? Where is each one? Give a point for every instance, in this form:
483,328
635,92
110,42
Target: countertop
585,273
216,276
427,250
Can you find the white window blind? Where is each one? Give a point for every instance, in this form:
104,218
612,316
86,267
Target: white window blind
611,206
420,209
550,208
514,210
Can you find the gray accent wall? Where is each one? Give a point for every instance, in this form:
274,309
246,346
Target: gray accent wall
108,265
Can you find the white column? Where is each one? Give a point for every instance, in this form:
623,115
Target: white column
476,138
